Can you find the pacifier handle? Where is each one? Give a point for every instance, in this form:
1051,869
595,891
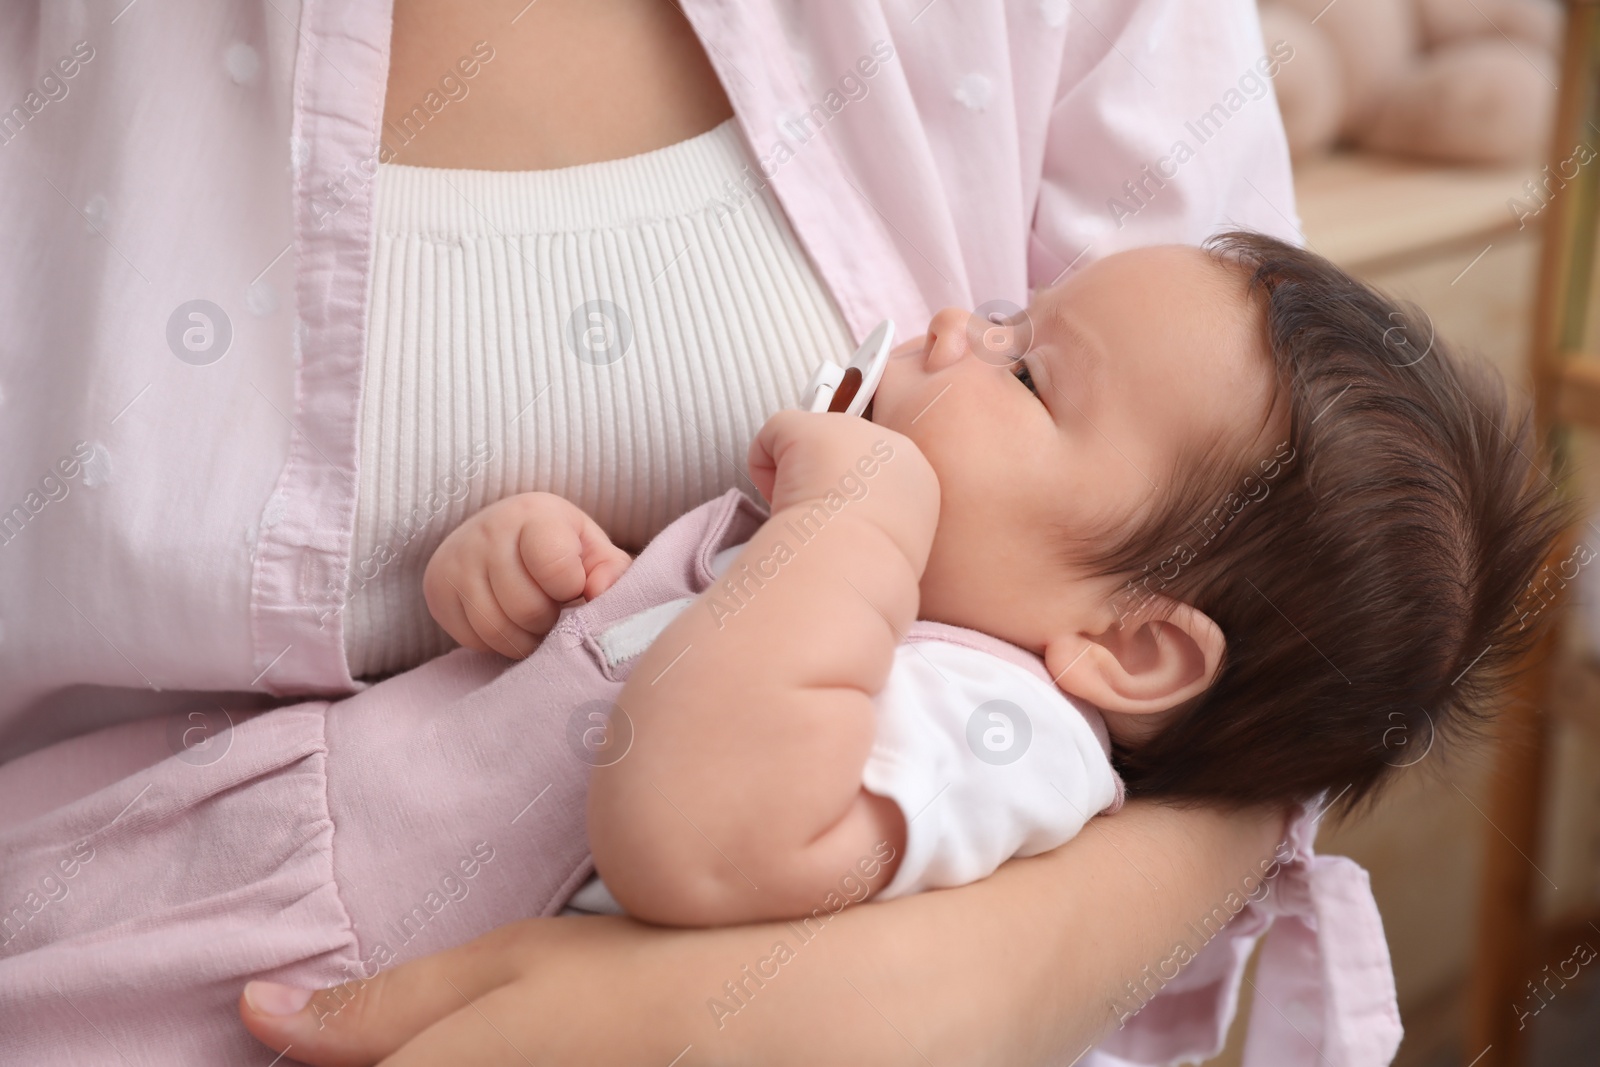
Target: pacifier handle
849,388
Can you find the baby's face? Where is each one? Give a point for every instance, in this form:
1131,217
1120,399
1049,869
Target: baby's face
1133,359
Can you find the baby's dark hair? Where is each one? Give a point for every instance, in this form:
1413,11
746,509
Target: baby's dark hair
1365,573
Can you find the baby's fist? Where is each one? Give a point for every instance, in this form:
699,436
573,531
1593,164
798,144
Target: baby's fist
498,581
838,461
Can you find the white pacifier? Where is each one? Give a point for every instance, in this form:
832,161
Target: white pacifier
849,388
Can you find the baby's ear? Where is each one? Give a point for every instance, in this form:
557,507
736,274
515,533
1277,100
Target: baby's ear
1146,662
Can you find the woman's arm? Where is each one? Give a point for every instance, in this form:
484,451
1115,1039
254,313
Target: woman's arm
1022,967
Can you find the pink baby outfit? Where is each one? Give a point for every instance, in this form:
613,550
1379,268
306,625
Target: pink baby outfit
322,842
313,843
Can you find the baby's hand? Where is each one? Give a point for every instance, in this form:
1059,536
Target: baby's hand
499,580
849,464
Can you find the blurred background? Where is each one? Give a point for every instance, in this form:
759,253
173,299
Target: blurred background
1437,157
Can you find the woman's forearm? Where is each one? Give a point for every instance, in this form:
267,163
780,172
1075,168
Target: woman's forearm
1022,967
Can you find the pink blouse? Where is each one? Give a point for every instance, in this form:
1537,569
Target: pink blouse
926,155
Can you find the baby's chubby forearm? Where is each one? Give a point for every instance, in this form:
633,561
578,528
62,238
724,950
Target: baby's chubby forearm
740,798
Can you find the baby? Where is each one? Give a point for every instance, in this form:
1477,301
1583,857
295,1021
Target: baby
1215,525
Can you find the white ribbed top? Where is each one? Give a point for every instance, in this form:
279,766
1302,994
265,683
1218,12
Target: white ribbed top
486,375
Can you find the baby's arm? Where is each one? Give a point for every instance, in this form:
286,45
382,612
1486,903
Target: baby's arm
741,798
498,581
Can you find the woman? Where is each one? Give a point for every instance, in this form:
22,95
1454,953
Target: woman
237,496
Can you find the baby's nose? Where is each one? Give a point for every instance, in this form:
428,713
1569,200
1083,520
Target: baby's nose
956,332
948,340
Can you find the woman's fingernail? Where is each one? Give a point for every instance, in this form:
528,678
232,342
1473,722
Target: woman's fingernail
270,998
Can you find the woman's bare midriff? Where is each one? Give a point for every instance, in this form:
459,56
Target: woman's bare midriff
569,82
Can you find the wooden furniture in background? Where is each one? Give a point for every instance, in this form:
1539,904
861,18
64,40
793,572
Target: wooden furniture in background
1566,384
1447,238
1465,244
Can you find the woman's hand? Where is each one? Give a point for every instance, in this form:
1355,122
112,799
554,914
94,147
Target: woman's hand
498,582
1027,966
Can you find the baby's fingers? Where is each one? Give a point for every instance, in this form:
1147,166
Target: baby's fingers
484,617
568,555
525,603
769,443
552,551
603,562
612,561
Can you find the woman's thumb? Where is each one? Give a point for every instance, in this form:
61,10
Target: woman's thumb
328,1027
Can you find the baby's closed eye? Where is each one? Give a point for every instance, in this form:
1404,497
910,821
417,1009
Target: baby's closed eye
1020,371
